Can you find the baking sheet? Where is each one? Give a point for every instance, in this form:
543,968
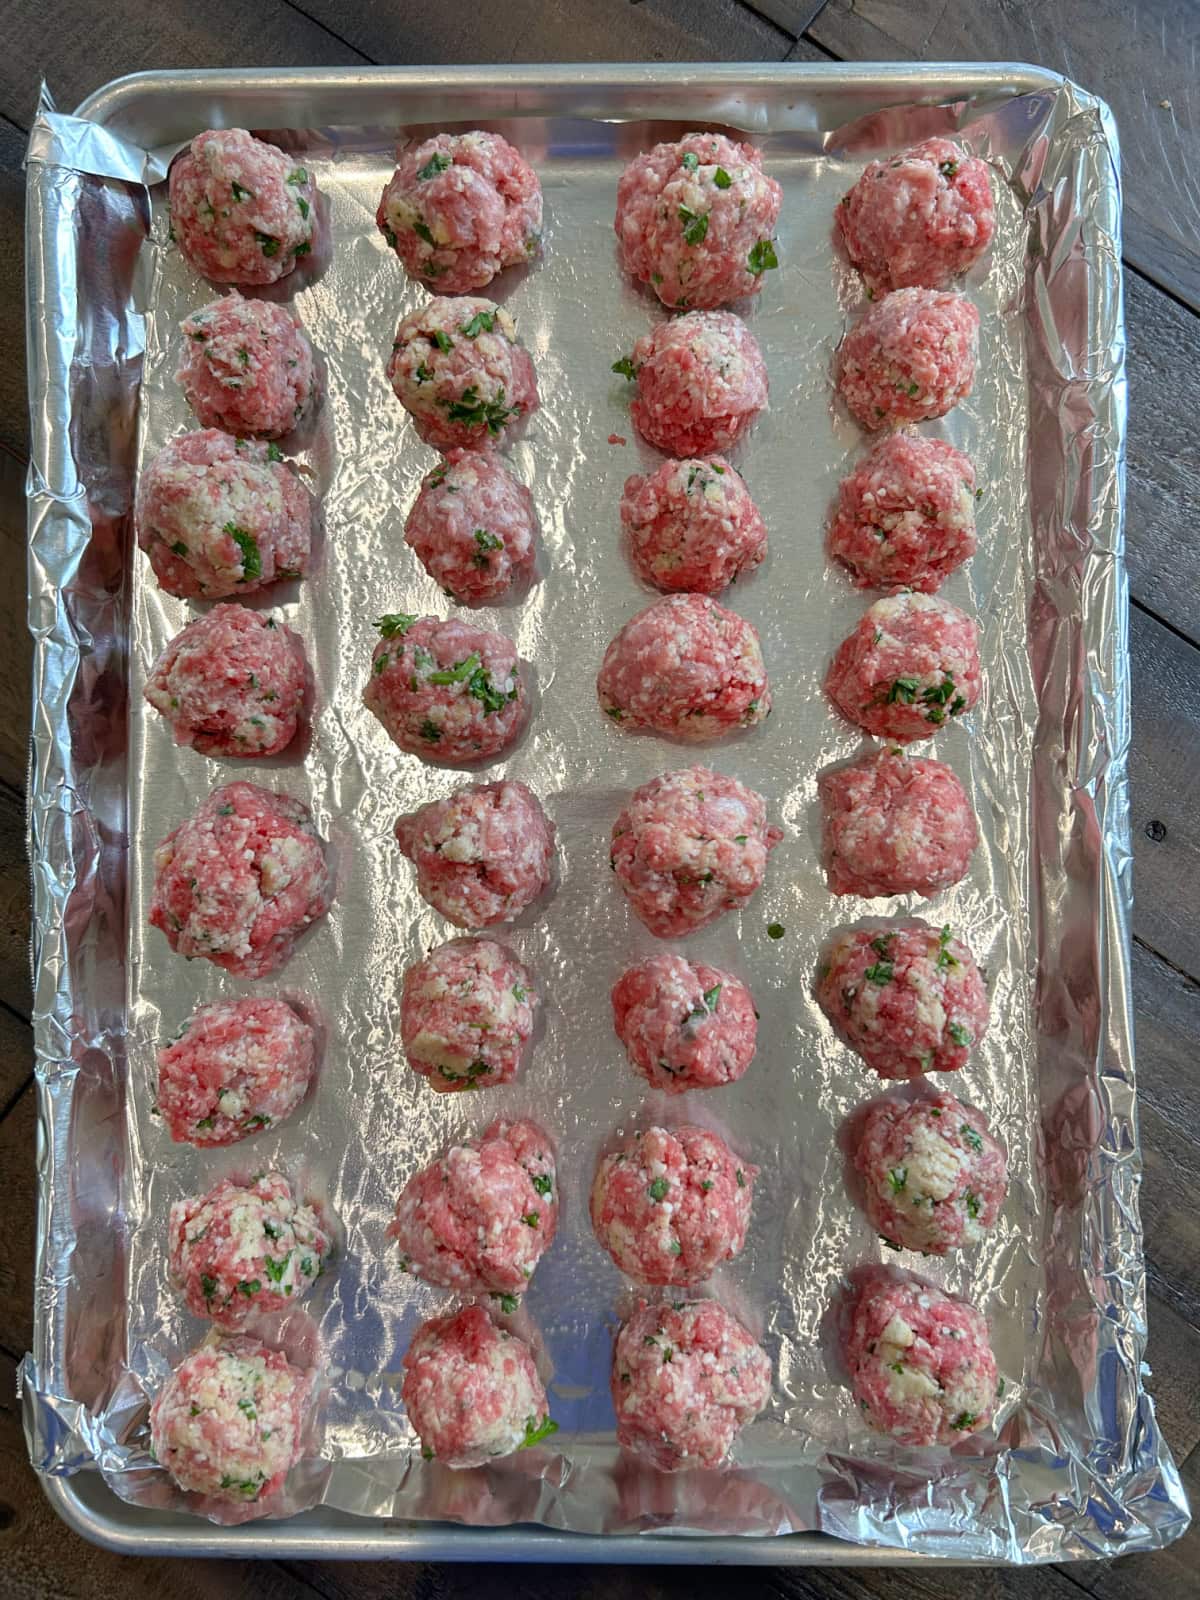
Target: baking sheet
1053,1074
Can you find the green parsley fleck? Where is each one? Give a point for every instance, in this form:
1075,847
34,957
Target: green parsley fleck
438,162
248,545
481,322
959,1034
238,192
625,368
542,1184
904,691
518,992
443,340
486,542
965,1419
722,179
690,160
179,548
458,673
947,170
775,930
762,257
249,1287
508,1303
248,1407
477,413
298,175
430,730
276,1269
973,1207
659,1189
396,622
970,1136
741,1178
208,1285
695,225
881,972
530,1219
898,1177
536,1431
270,247
421,229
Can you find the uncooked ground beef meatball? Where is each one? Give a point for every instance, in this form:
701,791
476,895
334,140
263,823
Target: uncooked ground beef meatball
246,367
466,1015
461,207
236,1067
481,855
472,527
933,1177
232,683
670,1206
895,824
692,526
700,381
918,219
220,516
472,1391
688,847
480,1217
241,210
241,880
458,371
687,1377
684,1025
910,666
906,515
696,219
244,1248
910,359
687,667
921,1367
447,691
908,998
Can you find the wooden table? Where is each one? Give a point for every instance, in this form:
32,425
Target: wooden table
1141,55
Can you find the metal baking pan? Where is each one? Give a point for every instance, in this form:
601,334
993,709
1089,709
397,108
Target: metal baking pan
1076,1466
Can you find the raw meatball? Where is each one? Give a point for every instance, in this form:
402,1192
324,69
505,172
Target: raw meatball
921,1367
220,516
472,527
458,371
685,666
237,1066
895,824
933,1177
700,382
229,1421
245,1248
241,210
471,1390
906,515
231,684
240,881
692,526
912,662
480,1217
459,208
684,1025
911,358
481,855
695,220
908,998
246,367
669,1207
447,691
918,219
686,1380
690,846
466,1015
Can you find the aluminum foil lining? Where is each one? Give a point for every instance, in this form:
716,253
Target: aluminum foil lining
1075,1465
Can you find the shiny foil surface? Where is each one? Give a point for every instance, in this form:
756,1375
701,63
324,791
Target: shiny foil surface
1074,1465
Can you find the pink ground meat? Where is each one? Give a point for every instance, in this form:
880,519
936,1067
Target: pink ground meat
933,1177
895,824
237,1066
910,666
670,1206
700,381
695,220
692,526
245,1248
481,855
241,211
684,1025
690,846
472,527
459,208
466,1015
685,667
906,515
447,691
232,683
480,1217
458,371
910,359
246,367
921,1367
908,998
918,219
686,1379
241,880
471,1390
229,1421
220,516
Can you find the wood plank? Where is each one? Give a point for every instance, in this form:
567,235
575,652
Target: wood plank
16,646
17,1135
14,411
15,984
1139,57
